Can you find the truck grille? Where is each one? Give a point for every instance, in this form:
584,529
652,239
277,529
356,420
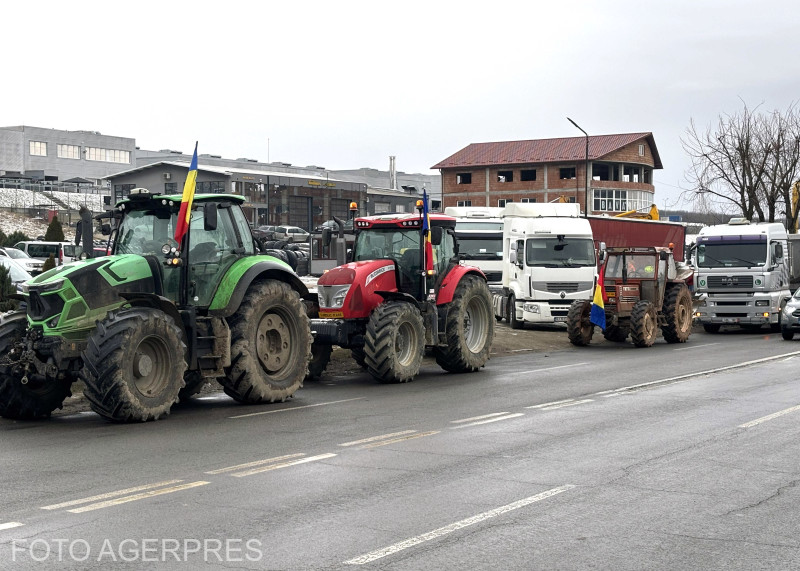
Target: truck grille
730,281
493,276
558,287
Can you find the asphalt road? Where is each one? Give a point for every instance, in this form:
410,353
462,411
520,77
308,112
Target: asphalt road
606,457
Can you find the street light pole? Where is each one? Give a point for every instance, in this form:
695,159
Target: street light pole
586,170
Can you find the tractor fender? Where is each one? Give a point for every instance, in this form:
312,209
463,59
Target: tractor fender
245,271
142,299
399,296
451,280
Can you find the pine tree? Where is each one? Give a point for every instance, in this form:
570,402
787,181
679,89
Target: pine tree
6,289
15,237
55,233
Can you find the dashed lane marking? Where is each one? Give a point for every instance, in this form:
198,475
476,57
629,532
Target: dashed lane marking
374,438
110,495
774,415
549,369
488,420
294,408
552,403
690,347
565,404
10,525
255,463
478,417
400,439
436,533
135,497
263,469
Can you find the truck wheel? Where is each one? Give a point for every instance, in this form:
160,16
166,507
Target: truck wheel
270,345
193,384
394,342
469,328
644,321
616,333
677,314
579,328
512,314
711,327
358,356
37,398
133,365
320,357
787,334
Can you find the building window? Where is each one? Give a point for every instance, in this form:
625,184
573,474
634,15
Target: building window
38,148
464,203
608,200
630,174
641,150
503,201
121,190
527,175
566,173
527,200
68,151
464,178
170,188
505,176
108,155
210,187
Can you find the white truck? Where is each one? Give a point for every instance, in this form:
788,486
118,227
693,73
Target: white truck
480,240
548,262
741,274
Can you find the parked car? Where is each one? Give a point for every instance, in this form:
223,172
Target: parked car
348,226
62,252
291,233
265,232
790,318
18,274
30,265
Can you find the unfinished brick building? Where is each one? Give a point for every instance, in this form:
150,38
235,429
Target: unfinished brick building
545,170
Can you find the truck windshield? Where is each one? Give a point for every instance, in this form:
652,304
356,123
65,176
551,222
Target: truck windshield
731,254
392,243
480,248
554,253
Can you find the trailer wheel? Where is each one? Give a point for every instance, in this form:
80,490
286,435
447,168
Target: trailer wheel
469,328
37,398
644,321
394,342
133,365
270,345
579,328
512,314
677,314
320,357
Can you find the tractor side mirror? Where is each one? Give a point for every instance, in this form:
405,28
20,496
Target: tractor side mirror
209,216
663,256
105,229
326,237
436,235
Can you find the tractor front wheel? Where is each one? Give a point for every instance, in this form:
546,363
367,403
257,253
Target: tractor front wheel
23,398
678,314
579,328
134,365
394,342
469,328
270,345
644,321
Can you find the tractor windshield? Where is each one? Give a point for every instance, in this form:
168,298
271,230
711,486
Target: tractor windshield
145,231
560,252
635,266
392,243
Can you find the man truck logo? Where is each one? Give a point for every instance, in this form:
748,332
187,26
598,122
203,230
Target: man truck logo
730,281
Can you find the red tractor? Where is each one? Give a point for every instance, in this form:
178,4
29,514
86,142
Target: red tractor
398,297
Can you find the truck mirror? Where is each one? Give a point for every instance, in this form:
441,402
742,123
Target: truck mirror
209,216
778,251
512,256
436,235
663,256
105,229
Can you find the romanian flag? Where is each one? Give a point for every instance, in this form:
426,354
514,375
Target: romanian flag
598,313
185,214
426,231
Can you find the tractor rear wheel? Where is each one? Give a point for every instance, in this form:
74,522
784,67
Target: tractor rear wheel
469,328
617,333
394,342
644,322
34,399
133,365
320,357
270,345
677,314
579,328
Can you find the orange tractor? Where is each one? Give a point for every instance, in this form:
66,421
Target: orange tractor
404,290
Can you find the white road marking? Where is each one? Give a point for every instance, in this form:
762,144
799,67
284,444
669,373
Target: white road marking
690,347
769,417
374,438
546,404
135,497
281,465
256,463
400,439
478,417
436,533
294,408
10,525
487,421
549,369
110,495
562,405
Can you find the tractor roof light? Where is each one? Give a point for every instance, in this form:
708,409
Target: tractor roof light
353,206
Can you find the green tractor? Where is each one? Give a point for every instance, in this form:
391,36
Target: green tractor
155,321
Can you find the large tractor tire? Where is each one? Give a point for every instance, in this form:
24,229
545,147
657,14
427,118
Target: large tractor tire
469,328
133,365
35,398
270,345
677,314
394,342
617,333
320,357
644,324
579,328
513,322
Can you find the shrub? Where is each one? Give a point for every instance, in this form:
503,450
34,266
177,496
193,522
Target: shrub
15,237
49,263
55,233
6,289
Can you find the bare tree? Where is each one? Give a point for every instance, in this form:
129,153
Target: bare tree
748,162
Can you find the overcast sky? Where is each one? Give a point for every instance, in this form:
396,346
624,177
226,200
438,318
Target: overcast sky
346,84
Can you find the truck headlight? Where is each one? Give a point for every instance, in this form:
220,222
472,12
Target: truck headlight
762,303
530,307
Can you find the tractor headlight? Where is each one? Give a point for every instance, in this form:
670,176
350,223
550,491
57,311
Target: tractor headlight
332,297
42,288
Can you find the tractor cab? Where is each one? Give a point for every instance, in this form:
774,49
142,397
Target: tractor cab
632,274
